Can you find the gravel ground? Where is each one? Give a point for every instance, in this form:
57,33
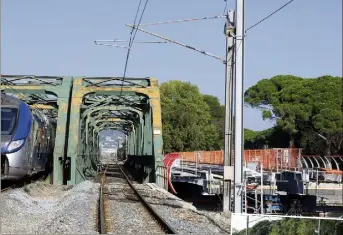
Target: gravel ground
182,216
125,213
48,209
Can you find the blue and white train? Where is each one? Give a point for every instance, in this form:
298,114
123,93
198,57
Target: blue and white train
27,139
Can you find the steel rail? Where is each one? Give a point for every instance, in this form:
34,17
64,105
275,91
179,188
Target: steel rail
101,211
101,214
152,211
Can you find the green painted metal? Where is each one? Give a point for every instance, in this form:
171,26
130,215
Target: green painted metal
41,92
83,107
131,106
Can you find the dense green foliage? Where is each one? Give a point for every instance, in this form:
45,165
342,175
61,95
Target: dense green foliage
269,138
217,112
304,110
295,227
186,118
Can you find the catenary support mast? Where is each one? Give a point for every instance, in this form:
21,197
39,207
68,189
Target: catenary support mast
229,33
239,138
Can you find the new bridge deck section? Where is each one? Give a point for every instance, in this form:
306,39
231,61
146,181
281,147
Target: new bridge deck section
209,179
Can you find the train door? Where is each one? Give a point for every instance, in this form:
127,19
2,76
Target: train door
28,152
32,146
36,144
40,156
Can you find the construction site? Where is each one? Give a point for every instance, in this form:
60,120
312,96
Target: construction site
276,181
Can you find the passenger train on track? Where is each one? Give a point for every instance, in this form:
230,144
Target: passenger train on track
27,139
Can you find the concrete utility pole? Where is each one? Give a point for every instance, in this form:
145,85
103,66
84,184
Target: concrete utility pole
229,34
239,138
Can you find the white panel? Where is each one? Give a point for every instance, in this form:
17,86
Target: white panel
228,172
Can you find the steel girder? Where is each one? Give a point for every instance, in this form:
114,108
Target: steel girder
137,105
52,95
96,105
91,144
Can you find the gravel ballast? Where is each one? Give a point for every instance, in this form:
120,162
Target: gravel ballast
182,216
125,215
48,209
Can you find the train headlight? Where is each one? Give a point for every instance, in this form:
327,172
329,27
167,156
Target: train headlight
14,145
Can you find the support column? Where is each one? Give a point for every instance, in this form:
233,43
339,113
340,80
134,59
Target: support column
229,28
239,95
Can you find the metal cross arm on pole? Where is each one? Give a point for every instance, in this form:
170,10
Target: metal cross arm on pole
178,43
184,20
110,45
119,40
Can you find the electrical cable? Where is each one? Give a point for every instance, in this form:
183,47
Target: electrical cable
185,20
265,18
131,43
225,7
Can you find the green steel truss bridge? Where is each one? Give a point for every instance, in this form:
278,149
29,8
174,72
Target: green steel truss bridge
84,106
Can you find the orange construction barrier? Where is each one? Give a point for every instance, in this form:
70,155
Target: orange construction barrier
271,159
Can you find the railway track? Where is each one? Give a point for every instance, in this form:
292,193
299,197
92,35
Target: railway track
125,192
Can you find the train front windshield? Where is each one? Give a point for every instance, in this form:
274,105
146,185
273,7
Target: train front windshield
8,120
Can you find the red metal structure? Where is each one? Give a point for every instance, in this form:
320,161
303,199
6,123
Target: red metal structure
168,162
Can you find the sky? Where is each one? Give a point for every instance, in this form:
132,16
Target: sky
41,37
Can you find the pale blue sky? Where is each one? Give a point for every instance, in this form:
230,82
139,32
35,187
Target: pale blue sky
56,38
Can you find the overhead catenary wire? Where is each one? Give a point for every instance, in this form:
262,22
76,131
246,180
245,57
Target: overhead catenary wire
131,41
134,26
259,22
225,7
178,43
132,38
271,14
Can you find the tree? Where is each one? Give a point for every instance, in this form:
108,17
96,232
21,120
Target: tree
186,119
261,228
273,137
217,112
290,226
302,108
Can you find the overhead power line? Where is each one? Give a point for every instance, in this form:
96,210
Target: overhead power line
279,9
133,35
185,20
131,42
225,7
178,43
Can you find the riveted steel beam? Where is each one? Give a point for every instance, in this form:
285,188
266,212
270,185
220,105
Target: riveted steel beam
96,100
47,93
